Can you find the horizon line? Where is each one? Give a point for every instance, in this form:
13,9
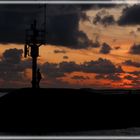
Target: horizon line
70,2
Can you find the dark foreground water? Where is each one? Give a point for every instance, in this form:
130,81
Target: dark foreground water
115,132
65,108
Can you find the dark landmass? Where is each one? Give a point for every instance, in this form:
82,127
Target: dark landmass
7,89
61,111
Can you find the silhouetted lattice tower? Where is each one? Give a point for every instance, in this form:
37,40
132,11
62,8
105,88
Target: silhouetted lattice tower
35,37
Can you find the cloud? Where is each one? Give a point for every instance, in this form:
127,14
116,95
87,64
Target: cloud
96,44
12,66
51,70
104,18
65,57
100,66
9,69
117,47
14,21
105,48
112,76
97,19
100,76
60,27
64,30
136,83
76,77
138,29
84,17
17,68
108,20
62,23
82,41
129,77
131,63
130,16
63,26
135,49
135,73
133,33
59,51
12,56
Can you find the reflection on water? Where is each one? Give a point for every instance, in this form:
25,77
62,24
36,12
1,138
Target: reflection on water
2,93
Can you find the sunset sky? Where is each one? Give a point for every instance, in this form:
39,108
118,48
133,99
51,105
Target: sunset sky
88,46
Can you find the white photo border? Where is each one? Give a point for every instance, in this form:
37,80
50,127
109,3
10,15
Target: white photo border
70,137
69,2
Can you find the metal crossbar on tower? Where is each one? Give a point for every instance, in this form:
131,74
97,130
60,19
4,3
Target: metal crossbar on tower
35,37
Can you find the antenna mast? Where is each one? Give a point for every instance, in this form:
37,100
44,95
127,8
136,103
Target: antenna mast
34,39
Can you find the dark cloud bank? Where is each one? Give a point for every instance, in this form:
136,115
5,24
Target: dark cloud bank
62,23
12,68
11,62
135,49
132,63
105,48
11,65
130,16
100,66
